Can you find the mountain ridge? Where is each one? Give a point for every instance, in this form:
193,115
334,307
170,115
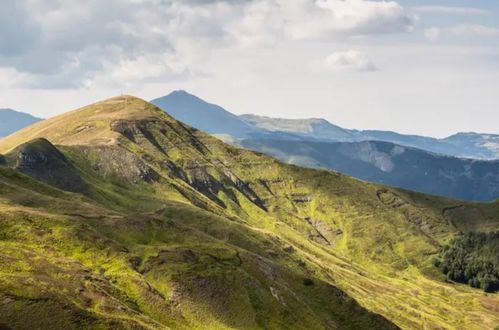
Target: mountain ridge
200,114
206,116
391,164
177,227
298,141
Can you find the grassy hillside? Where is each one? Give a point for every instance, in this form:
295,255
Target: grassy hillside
391,164
173,228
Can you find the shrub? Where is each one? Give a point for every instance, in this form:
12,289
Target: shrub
472,258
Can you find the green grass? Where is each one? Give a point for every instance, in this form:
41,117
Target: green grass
225,238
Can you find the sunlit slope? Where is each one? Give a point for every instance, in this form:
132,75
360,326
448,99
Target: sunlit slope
319,228
89,125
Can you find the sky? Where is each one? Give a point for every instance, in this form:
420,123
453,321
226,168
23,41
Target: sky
418,67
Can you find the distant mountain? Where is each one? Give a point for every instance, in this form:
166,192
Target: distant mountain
205,116
11,121
216,120
313,128
391,164
440,166
467,145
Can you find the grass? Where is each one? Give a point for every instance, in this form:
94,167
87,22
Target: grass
225,238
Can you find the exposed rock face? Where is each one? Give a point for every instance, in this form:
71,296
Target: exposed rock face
150,133
42,161
367,152
111,161
136,131
244,188
174,169
205,183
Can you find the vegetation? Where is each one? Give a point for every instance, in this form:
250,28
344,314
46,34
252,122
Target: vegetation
472,258
175,229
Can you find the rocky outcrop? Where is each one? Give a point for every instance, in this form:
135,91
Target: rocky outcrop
111,161
42,161
243,188
369,153
137,131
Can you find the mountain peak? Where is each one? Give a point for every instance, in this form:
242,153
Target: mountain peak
41,160
180,92
203,115
91,124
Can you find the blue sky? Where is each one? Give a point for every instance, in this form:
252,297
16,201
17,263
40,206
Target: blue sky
421,67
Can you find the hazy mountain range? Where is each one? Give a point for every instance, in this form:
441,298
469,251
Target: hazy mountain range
391,164
467,145
216,120
318,143
118,216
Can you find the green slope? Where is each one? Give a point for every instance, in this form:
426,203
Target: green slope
174,228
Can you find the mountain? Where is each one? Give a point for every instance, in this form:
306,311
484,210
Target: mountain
11,121
314,128
215,120
168,227
203,115
464,145
314,143
391,164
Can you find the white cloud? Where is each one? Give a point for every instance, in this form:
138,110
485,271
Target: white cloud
350,60
72,43
11,78
18,31
464,32
329,18
260,25
450,10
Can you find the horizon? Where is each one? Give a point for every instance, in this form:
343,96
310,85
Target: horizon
241,114
416,67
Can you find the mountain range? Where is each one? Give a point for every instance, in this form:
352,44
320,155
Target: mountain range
433,168
426,164
12,121
216,120
391,164
116,215
463,145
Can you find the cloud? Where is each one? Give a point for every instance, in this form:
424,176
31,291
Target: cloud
450,10
462,32
350,60
260,25
72,44
329,18
18,31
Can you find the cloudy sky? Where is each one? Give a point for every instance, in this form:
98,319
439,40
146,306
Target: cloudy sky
424,67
